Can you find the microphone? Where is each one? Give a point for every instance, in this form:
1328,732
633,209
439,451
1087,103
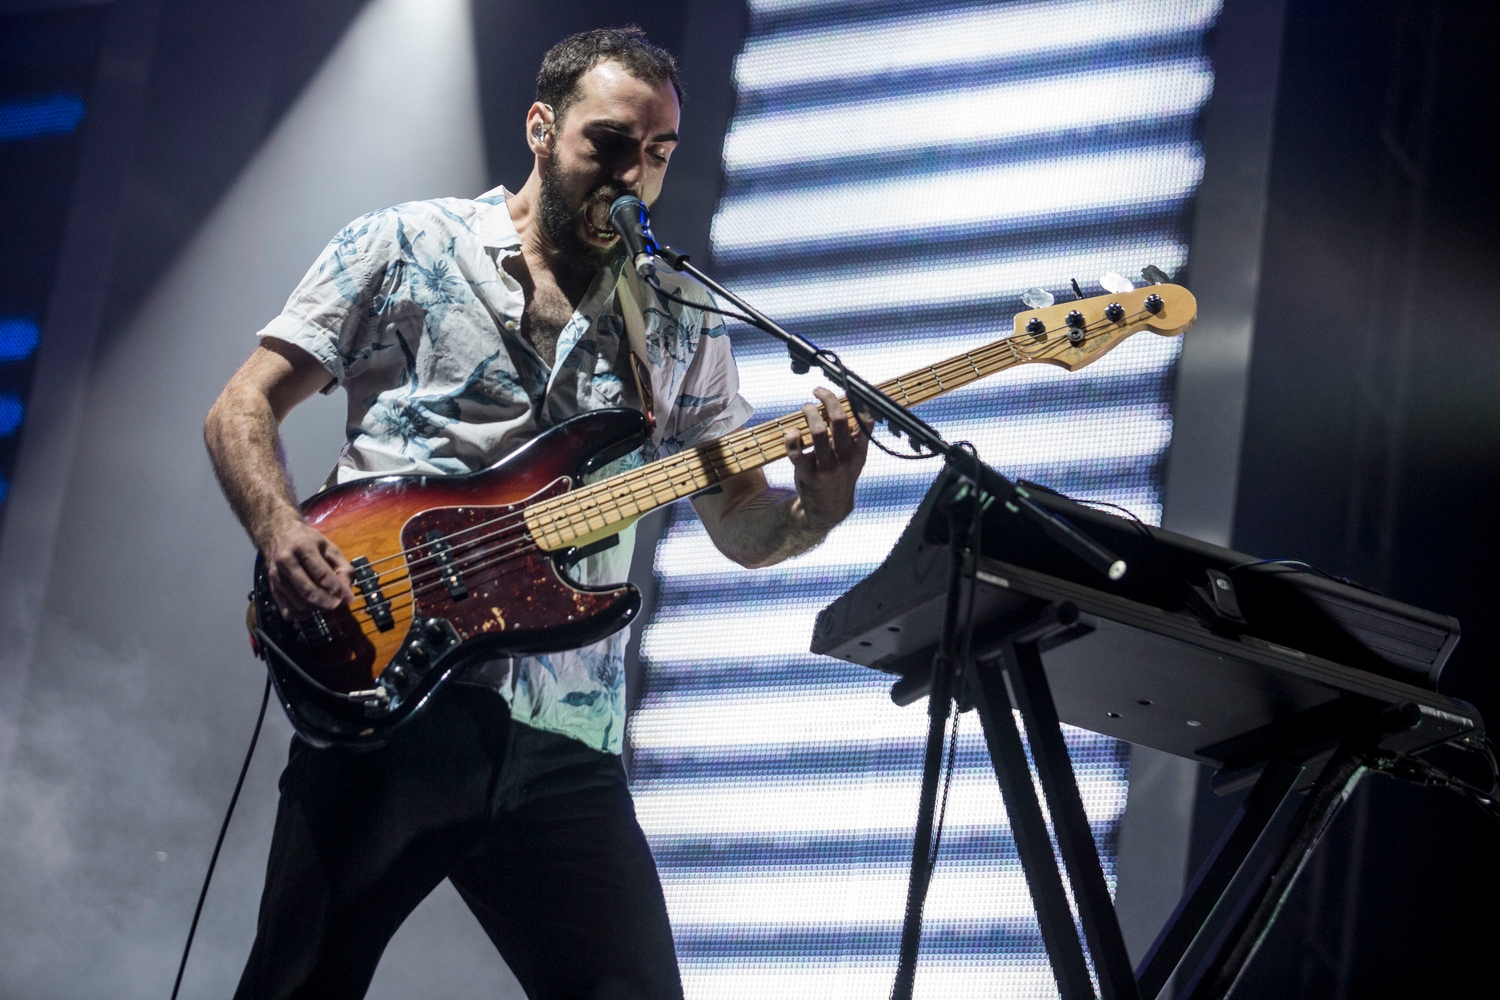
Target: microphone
629,218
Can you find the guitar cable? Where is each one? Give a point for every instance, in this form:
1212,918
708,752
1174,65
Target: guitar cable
213,860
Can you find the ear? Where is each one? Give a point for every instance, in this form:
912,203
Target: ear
540,123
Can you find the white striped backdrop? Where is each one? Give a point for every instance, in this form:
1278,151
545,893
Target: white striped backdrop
897,173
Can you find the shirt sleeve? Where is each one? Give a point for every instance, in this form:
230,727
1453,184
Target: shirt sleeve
329,314
706,402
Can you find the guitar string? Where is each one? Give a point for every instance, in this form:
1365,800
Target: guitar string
687,476
433,579
985,355
933,373
574,497
951,367
430,580
621,487
656,480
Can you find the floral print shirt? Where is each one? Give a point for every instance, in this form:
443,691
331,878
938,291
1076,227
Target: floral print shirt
410,311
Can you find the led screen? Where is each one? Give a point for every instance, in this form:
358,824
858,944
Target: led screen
896,175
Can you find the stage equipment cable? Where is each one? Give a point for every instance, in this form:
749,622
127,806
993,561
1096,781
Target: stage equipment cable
265,699
974,542
1423,772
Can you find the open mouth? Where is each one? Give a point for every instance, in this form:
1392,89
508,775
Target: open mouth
596,221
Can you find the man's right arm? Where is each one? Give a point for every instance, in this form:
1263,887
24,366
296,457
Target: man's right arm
306,571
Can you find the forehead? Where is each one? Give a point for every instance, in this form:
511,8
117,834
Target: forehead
608,91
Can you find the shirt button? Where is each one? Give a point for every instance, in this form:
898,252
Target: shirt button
511,324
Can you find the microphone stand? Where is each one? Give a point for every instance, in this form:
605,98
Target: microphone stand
973,483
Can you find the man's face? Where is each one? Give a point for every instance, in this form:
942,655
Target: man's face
614,140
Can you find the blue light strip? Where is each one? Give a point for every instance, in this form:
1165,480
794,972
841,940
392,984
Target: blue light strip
18,337
39,117
12,412
896,175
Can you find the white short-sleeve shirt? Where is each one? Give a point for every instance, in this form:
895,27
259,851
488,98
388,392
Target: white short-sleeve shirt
409,310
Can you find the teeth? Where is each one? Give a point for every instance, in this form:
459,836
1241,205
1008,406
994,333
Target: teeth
598,218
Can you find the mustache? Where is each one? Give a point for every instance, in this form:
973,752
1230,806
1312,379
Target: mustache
606,192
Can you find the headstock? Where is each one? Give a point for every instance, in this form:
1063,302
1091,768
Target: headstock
1074,334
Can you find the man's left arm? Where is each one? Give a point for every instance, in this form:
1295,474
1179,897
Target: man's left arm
756,525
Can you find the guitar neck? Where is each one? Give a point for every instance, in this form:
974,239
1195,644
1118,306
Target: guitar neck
602,509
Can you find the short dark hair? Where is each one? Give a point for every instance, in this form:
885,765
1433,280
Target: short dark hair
567,61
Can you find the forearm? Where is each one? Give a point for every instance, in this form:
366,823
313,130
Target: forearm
764,528
245,447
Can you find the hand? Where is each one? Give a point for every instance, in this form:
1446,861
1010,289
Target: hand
306,571
825,477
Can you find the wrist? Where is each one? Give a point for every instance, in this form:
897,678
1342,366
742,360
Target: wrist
276,523
814,521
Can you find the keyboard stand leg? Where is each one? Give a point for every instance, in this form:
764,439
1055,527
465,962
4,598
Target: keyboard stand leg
1214,878
986,687
1075,839
1214,975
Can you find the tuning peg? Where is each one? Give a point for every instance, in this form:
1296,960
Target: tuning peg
1116,283
1154,275
1077,292
1037,298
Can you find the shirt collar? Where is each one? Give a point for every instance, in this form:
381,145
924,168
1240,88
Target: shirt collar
492,221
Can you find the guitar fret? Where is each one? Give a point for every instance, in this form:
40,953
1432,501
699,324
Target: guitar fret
593,509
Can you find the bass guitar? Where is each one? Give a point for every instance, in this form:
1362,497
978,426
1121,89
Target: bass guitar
450,569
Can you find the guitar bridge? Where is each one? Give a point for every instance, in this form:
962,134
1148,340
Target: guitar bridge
376,603
447,568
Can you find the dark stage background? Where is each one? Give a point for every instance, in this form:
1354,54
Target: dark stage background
1371,447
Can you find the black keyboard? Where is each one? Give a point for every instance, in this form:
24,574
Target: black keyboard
1198,650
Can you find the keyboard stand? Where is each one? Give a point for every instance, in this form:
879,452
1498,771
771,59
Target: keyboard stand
1230,902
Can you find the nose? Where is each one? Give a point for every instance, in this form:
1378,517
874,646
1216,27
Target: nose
630,168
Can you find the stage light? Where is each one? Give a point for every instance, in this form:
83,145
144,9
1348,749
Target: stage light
968,202
928,284
39,117
895,178
825,804
949,119
841,977
18,337
12,412
989,34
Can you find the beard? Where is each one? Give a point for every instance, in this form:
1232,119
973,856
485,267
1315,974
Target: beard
561,223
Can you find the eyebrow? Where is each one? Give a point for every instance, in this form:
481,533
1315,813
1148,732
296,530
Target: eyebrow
624,129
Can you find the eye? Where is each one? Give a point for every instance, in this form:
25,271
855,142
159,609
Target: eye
608,145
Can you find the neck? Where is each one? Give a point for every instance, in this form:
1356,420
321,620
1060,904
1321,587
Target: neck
543,259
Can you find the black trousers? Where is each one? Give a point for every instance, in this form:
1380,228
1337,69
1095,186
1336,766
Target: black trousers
536,831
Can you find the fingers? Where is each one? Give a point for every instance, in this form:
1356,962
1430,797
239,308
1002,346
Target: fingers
822,444
342,570
833,441
838,422
329,589
308,573
793,442
292,589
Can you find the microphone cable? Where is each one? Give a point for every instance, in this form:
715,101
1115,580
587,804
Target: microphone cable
213,859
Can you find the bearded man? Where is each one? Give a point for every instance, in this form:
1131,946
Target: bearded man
461,330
